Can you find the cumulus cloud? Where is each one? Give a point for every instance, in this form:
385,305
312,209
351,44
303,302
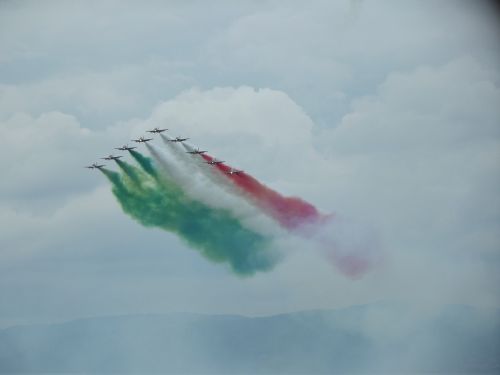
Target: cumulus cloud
314,53
53,210
235,122
96,98
441,122
390,120
426,145
47,155
39,152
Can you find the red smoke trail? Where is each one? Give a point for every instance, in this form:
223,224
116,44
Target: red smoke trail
302,217
290,212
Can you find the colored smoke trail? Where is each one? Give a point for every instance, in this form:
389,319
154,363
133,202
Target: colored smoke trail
200,183
327,232
208,208
290,212
186,175
169,169
145,163
216,178
156,201
195,164
190,162
129,171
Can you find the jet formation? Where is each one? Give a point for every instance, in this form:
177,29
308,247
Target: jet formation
193,152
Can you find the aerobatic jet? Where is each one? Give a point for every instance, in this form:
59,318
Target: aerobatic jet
156,130
112,157
95,166
178,139
234,171
142,140
215,162
125,148
196,152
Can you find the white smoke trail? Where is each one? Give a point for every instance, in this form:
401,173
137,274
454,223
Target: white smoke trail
170,169
212,173
353,248
195,162
218,178
184,171
345,244
188,163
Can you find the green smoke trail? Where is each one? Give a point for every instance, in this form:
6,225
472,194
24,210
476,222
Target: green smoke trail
156,201
145,163
129,171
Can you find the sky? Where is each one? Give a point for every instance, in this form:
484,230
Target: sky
385,113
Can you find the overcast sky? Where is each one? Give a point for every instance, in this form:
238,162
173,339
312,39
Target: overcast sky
384,112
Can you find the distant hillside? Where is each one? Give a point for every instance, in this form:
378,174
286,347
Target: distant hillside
357,339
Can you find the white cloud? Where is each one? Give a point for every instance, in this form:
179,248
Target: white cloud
44,157
234,122
420,158
96,97
416,206
431,133
319,54
409,92
420,212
